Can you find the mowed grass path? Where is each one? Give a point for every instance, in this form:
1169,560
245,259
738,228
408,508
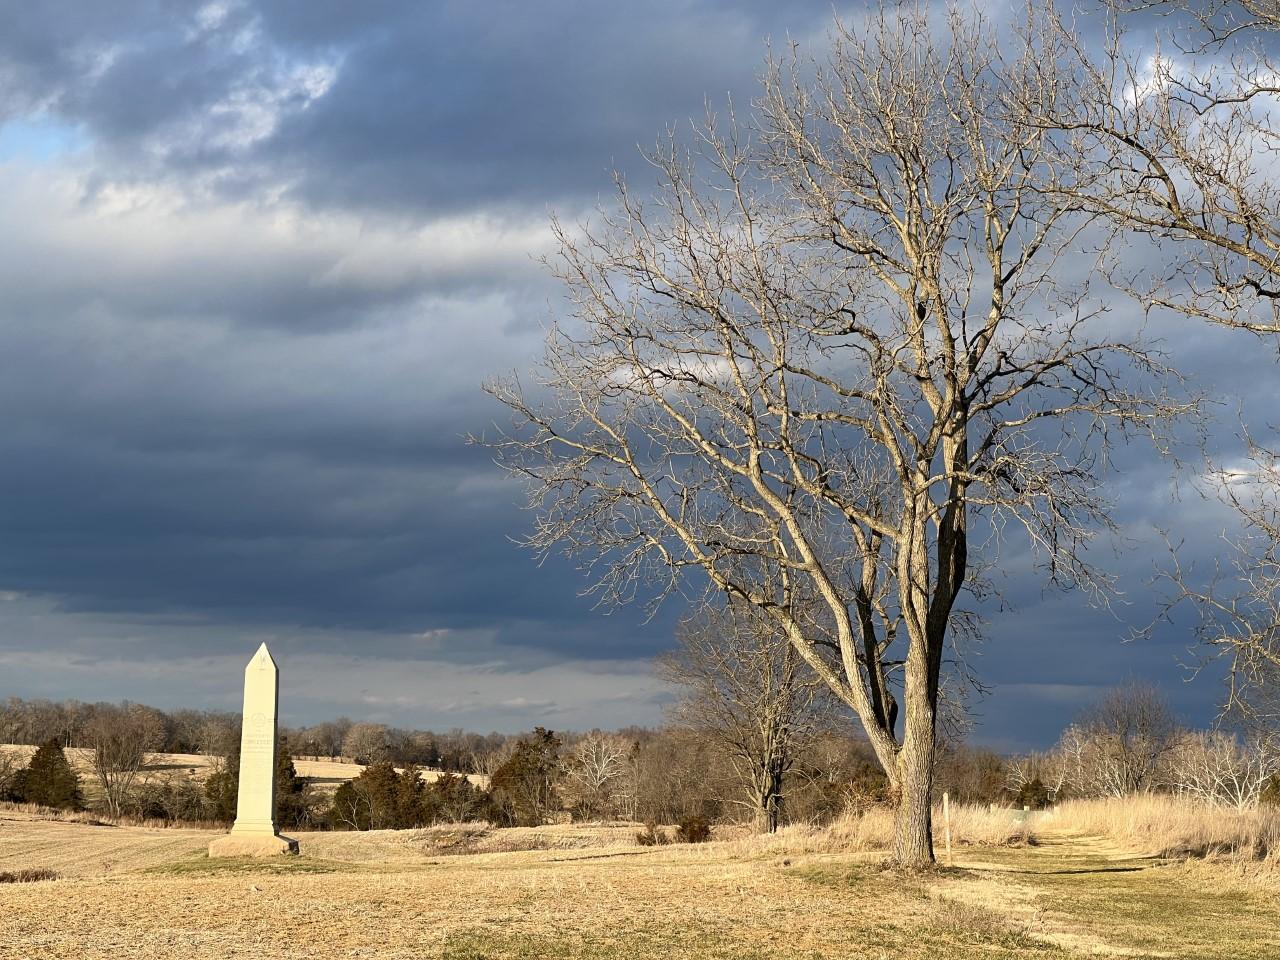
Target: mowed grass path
1065,898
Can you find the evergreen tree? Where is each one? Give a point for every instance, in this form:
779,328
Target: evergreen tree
1033,794
1270,795
524,788
49,780
410,794
455,799
293,808
221,789
369,802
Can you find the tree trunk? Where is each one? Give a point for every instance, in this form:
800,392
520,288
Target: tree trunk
768,812
913,834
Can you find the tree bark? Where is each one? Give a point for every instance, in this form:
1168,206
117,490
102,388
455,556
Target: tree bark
768,813
913,830
913,833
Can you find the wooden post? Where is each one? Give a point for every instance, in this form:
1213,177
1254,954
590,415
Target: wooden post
946,825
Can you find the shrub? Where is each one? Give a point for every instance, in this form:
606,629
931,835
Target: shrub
651,836
294,802
1270,795
168,800
27,876
693,829
293,796
49,780
382,798
970,774
371,801
1033,794
220,794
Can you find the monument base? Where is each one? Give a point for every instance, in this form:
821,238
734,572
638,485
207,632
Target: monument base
252,845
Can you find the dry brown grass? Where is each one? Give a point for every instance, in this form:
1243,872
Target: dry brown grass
29,875
872,829
91,818
406,846
1174,827
607,901
87,847
588,893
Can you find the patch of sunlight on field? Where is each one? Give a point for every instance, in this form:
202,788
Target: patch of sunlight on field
587,891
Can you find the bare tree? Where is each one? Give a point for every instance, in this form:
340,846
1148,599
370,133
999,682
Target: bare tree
1122,744
487,762
360,807
121,738
217,737
1182,145
596,774
676,775
840,342
749,693
1238,601
367,743
325,739
1223,769
9,768
1051,768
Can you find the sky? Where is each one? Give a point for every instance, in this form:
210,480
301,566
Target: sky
256,260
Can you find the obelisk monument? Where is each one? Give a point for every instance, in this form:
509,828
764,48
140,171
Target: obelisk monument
254,833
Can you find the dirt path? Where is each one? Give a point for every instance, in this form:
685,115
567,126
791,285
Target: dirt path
1091,897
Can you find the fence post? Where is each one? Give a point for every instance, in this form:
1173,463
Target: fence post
946,825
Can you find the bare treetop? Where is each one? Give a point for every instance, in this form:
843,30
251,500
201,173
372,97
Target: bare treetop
1238,599
1183,144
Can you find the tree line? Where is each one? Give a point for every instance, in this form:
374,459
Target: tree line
688,773
216,733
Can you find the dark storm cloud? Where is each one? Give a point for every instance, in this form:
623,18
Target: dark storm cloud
400,106
218,415
525,103
179,452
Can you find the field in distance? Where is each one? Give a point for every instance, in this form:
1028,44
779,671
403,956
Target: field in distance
468,892
323,774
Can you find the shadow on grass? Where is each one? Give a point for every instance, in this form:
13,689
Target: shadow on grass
1072,870
271,866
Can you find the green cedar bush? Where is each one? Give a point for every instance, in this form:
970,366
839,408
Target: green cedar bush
49,780
693,829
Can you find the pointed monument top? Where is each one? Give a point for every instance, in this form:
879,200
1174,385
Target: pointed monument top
262,657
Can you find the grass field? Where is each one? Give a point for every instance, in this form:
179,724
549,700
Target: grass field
588,892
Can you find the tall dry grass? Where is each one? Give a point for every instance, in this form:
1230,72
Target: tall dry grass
871,829
1176,827
34,811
